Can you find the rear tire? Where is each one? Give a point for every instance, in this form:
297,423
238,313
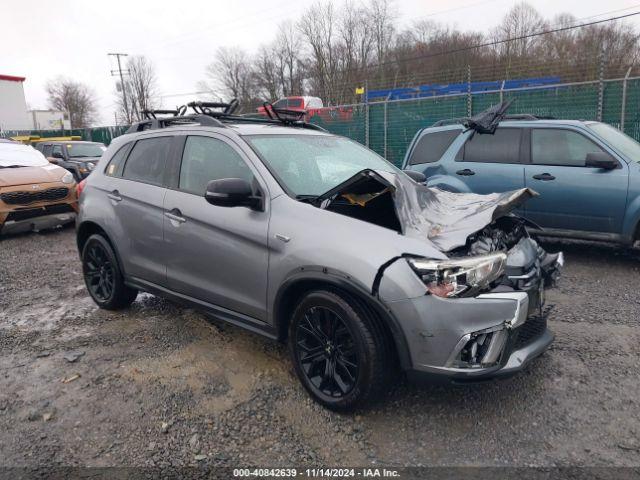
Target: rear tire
102,275
338,352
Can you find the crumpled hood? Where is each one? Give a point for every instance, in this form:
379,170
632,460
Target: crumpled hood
29,175
447,218
444,219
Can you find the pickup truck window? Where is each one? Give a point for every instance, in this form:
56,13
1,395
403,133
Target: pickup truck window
560,147
432,146
501,147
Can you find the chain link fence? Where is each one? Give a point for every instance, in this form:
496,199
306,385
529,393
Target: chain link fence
388,127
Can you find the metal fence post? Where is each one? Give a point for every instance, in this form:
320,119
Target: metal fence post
502,91
386,102
366,114
469,105
601,85
623,107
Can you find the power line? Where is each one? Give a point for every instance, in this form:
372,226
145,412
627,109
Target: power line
506,40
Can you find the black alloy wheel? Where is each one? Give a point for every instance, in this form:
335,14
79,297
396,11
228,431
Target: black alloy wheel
339,349
102,275
328,355
99,273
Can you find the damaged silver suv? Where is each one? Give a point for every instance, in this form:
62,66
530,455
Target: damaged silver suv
306,237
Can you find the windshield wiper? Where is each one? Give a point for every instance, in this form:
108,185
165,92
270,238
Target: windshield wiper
306,197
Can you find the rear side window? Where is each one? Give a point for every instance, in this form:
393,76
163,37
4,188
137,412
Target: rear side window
560,147
432,146
116,164
501,147
46,150
205,159
147,160
57,149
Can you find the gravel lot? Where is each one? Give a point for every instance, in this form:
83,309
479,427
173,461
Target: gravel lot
163,386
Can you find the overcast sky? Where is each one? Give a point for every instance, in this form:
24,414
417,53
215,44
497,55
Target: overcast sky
42,39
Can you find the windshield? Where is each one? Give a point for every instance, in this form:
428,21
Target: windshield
18,155
313,164
77,150
624,144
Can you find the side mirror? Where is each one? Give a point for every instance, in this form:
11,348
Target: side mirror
57,155
232,192
600,160
416,176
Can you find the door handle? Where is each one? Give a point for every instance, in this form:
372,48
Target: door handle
115,196
466,172
544,176
175,215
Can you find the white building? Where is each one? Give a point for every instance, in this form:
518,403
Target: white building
13,107
49,120
14,114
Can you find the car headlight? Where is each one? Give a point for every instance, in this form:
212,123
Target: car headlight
452,277
67,178
90,166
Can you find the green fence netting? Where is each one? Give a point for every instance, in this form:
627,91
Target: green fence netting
388,127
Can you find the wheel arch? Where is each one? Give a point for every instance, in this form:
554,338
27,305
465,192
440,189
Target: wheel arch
88,228
293,290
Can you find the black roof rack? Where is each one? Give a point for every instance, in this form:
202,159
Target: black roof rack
515,116
151,114
217,114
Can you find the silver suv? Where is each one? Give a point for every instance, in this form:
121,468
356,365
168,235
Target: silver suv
299,235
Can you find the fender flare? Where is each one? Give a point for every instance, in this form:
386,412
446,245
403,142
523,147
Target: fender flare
346,283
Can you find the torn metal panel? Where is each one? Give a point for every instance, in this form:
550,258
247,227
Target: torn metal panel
442,218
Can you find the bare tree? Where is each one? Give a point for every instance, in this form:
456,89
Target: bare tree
231,74
74,97
288,52
140,89
522,20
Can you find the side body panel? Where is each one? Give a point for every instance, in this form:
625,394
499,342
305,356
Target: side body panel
578,198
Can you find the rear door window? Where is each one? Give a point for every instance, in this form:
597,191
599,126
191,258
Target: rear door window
116,164
501,147
46,150
146,162
560,147
432,146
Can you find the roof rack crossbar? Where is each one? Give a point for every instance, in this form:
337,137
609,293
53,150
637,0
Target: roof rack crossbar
206,116
156,123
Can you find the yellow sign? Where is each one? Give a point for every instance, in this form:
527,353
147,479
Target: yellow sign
359,90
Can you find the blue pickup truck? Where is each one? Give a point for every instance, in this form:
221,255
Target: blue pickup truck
587,173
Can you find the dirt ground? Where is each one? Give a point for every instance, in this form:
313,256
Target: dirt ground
159,385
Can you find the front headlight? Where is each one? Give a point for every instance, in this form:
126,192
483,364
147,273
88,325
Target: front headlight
452,277
67,178
90,166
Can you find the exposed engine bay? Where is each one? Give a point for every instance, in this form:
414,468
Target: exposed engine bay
463,225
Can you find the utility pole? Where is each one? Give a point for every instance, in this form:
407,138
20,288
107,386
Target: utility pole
120,73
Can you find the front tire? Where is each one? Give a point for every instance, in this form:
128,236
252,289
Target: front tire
102,275
338,351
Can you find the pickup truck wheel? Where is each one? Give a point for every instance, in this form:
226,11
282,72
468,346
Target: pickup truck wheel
103,277
337,353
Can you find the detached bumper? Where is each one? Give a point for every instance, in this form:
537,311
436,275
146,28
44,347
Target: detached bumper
473,339
43,222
